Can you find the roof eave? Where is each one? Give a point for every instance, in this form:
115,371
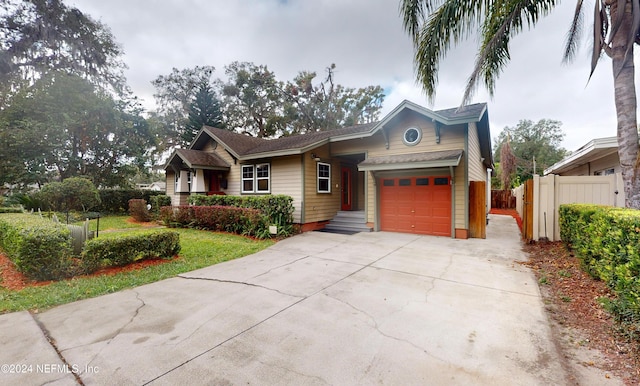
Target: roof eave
411,165
584,151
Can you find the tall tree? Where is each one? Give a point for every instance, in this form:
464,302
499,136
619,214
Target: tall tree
507,164
174,94
63,126
253,100
327,105
204,109
38,36
434,25
531,143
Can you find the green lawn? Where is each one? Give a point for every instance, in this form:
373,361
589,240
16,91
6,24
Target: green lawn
199,249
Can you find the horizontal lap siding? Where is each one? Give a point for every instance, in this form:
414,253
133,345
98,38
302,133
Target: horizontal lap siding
320,206
477,171
286,176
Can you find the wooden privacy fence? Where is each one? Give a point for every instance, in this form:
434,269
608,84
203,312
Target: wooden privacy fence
538,200
503,199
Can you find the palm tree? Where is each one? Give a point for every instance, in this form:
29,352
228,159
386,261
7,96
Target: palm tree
435,24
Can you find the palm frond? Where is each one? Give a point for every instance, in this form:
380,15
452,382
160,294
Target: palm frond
449,23
598,36
616,20
503,20
413,14
574,34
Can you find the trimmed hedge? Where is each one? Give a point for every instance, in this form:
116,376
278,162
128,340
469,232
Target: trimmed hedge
117,200
608,242
126,249
40,248
11,209
244,221
278,209
158,202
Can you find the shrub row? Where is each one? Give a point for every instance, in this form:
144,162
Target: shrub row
608,242
278,209
244,221
116,201
126,249
10,209
40,248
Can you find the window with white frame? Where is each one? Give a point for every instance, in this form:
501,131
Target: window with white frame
188,181
256,178
324,177
176,186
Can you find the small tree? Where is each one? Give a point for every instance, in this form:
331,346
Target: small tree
75,193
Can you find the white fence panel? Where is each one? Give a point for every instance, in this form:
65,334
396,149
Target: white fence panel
551,191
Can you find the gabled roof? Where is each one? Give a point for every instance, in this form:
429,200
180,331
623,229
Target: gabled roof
593,150
244,147
199,159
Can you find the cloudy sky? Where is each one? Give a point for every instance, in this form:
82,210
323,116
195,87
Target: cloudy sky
365,39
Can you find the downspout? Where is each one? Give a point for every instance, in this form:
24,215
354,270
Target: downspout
453,202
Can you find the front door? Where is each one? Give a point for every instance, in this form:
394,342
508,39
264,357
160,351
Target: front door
346,189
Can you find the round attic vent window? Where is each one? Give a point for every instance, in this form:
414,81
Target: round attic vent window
412,136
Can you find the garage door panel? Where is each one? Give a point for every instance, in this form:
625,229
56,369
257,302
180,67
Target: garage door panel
416,205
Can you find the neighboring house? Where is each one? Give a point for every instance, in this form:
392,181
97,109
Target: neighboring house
599,157
157,186
409,172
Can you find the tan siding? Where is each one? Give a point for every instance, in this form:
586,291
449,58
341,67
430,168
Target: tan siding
320,206
171,187
451,138
234,175
477,172
286,176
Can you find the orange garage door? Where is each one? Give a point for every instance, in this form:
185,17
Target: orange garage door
416,205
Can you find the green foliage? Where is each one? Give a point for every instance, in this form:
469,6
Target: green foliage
126,249
10,209
75,193
199,249
64,126
203,109
40,248
159,201
608,242
138,210
245,221
528,140
117,200
278,209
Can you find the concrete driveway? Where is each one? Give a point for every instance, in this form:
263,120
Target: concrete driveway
315,309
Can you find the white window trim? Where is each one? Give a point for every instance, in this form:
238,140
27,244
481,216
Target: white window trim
252,179
255,179
189,181
318,178
176,183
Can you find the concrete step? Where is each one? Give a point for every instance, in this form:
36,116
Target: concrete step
348,222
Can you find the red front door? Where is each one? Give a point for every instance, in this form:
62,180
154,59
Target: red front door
346,189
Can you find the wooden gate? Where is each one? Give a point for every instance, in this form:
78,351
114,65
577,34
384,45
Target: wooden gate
477,210
527,215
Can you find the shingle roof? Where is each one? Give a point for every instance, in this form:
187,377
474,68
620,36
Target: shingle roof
244,145
201,158
464,112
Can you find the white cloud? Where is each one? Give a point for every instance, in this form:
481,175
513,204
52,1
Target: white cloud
365,39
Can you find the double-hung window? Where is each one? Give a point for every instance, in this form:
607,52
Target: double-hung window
324,177
256,178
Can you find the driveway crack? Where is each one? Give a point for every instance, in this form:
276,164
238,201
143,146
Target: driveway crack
238,282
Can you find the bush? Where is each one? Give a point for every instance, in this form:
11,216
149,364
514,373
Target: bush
116,201
159,201
138,210
245,221
607,240
75,193
278,209
10,209
40,248
126,249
